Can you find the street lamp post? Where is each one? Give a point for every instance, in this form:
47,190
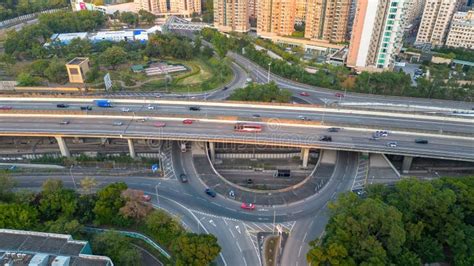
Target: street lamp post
156,191
268,74
72,177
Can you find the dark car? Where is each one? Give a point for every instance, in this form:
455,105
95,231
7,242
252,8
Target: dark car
225,88
421,141
195,108
62,105
183,178
86,108
333,129
325,138
249,181
65,122
210,192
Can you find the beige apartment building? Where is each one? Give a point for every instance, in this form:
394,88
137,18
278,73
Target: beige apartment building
231,15
300,9
435,22
414,10
377,34
461,33
276,17
176,7
327,20
252,8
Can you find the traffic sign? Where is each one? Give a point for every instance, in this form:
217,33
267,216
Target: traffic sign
107,81
154,168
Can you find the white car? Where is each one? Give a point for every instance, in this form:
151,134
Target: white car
125,109
117,124
392,144
150,107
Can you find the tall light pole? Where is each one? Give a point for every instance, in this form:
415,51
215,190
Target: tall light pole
157,197
72,176
268,74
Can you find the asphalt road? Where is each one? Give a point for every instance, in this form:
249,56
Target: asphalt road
346,139
318,94
223,217
379,120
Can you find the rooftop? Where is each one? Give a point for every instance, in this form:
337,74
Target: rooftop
22,247
77,61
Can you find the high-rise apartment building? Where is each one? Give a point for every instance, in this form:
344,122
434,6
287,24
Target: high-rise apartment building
437,16
327,20
169,7
276,17
231,15
300,9
377,34
461,32
252,7
414,10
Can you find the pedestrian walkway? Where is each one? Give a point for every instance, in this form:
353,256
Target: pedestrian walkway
360,179
168,168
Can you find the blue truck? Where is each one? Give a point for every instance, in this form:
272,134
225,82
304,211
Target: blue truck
103,103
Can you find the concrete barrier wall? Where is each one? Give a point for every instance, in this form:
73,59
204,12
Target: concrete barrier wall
261,155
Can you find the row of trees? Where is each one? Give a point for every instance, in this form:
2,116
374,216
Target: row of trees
339,77
133,19
412,223
261,93
14,8
61,210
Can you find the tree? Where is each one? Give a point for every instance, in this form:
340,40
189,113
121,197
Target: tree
129,18
147,17
194,249
117,247
135,207
56,72
25,79
163,227
7,183
88,184
63,226
18,216
360,232
113,56
85,208
261,93
108,204
56,201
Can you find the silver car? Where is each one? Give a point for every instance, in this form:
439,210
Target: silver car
118,124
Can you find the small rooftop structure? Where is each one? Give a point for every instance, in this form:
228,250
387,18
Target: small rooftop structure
37,248
77,69
66,38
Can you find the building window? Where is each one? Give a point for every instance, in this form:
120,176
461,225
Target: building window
392,16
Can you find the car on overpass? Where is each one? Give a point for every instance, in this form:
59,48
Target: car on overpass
247,206
159,124
421,141
62,105
6,107
188,121
333,129
247,127
194,108
392,144
339,95
325,138
65,122
304,93
118,123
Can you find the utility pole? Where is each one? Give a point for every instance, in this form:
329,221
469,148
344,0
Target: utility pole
268,75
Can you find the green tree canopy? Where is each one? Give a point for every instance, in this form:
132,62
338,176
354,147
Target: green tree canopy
56,201
117,247
113,56
193,249
261,93
18,216
108,204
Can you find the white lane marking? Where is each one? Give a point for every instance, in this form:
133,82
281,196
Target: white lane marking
299,252
305,235
245,261
238,246
232,233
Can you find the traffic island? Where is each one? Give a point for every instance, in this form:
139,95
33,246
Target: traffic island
271,248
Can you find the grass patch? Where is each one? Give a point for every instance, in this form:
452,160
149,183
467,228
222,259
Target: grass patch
270,252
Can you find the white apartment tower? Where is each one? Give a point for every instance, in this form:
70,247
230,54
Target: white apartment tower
377,34
437,16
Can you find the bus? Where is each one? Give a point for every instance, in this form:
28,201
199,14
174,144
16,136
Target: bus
244,127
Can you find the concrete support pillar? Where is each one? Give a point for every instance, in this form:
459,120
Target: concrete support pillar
131,148
63,147
212,150
406,165
305,156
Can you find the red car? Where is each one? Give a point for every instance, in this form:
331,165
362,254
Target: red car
339,95
146,198
159,124
247,206
304,93
188,121
5,107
